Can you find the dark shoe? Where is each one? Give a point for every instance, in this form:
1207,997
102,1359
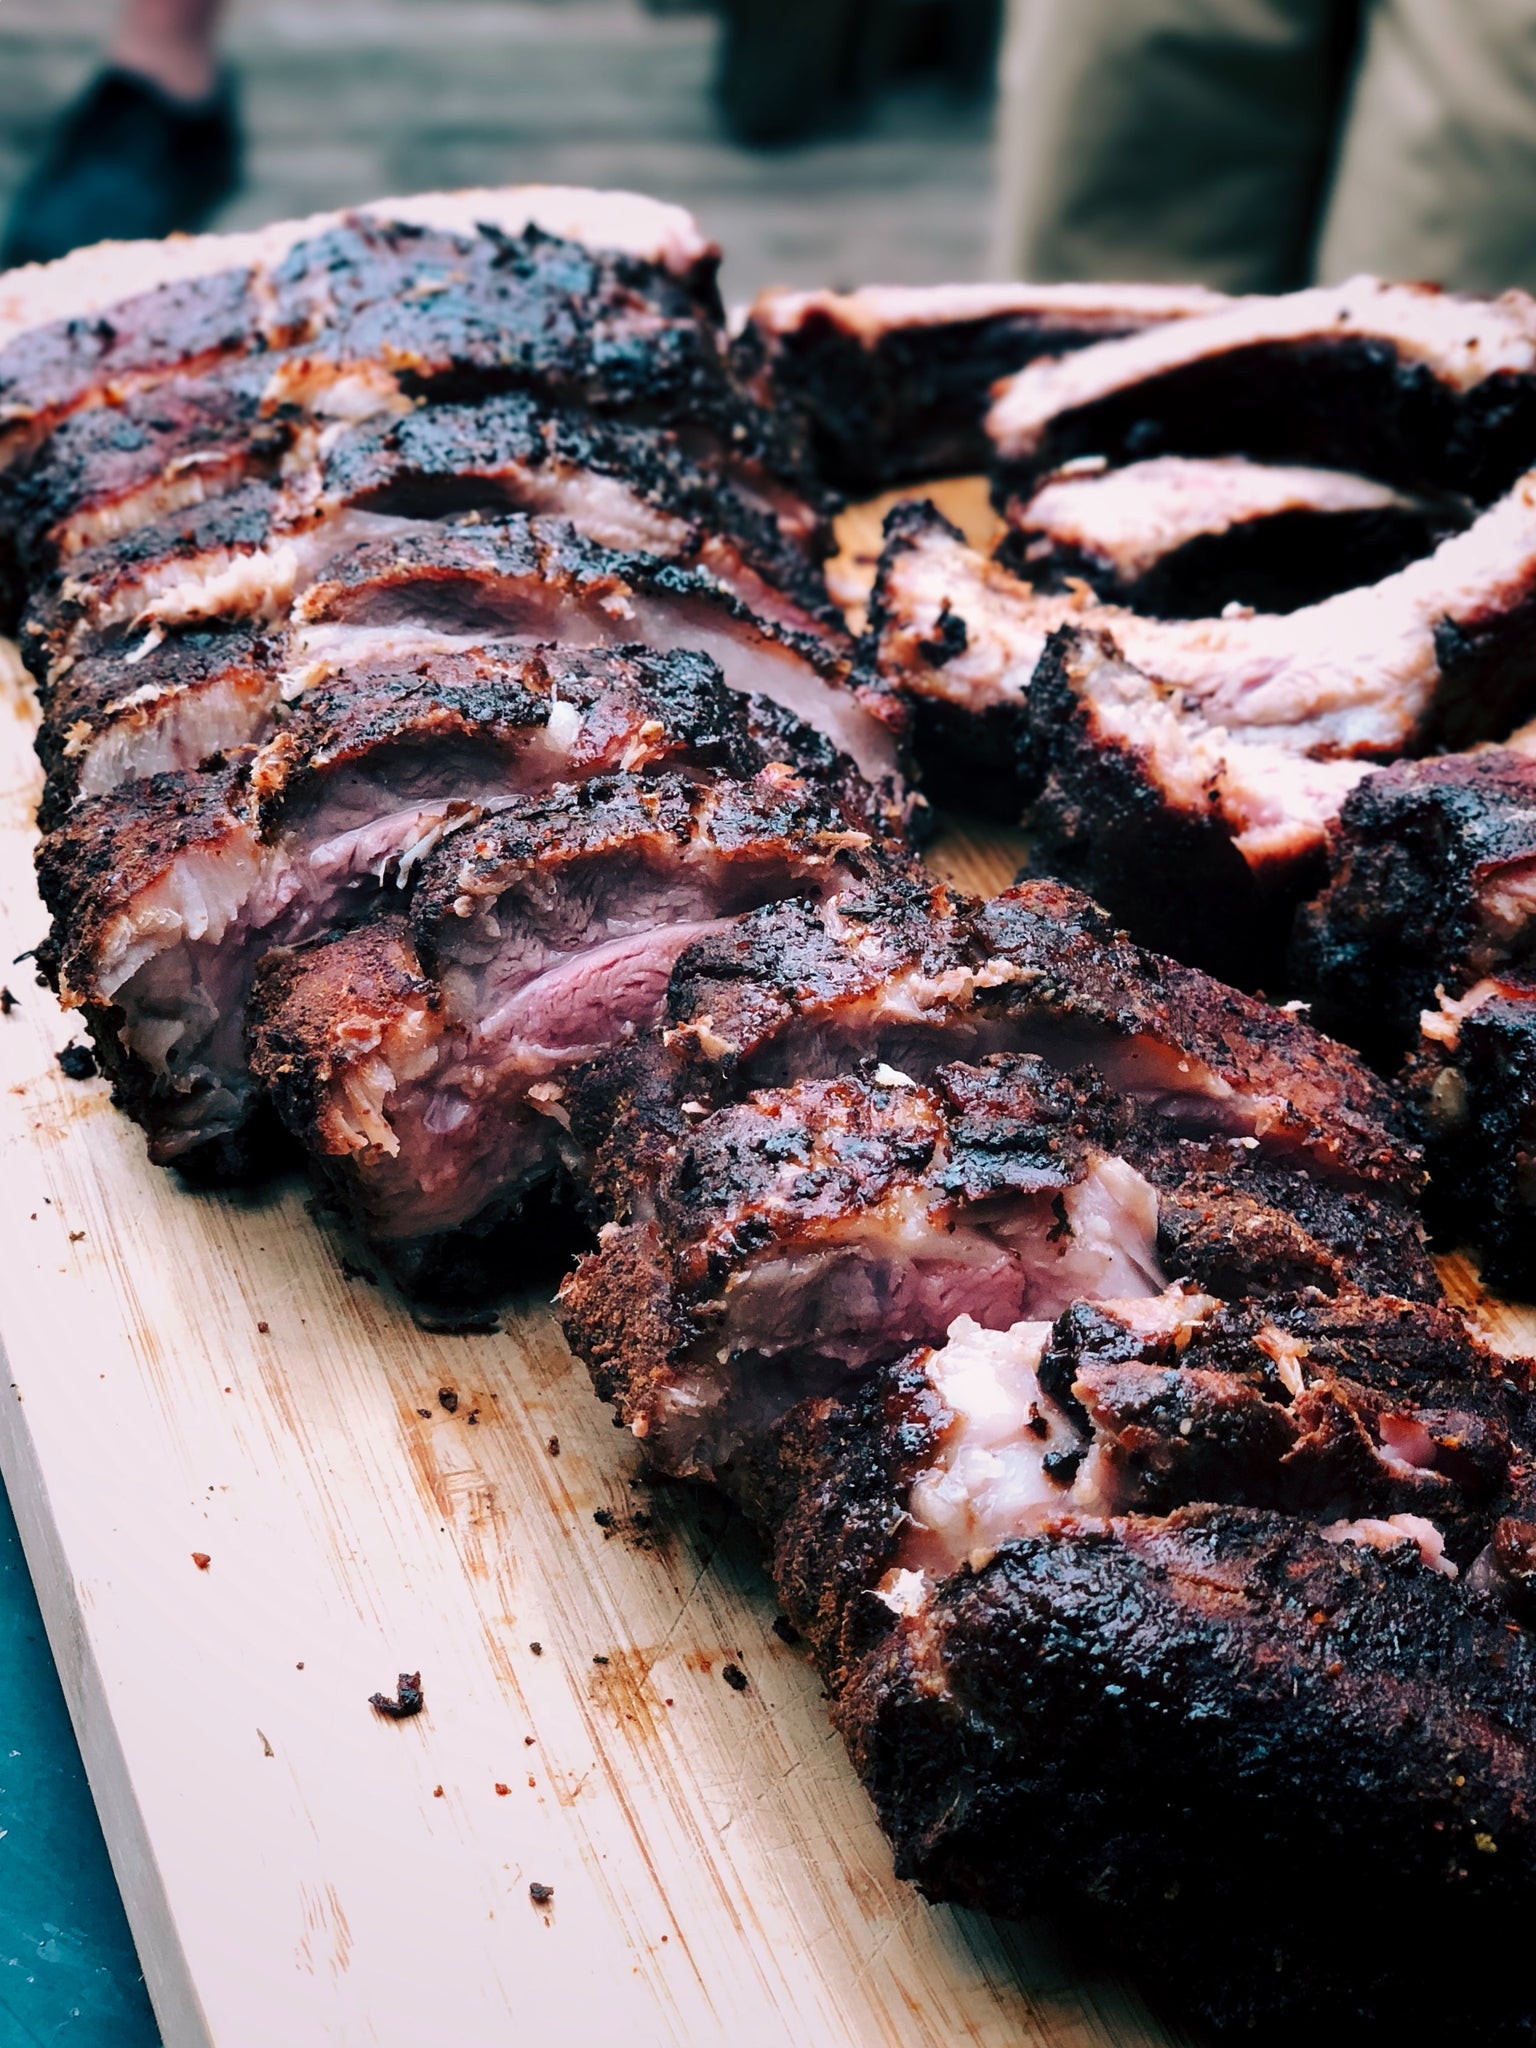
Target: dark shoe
124,162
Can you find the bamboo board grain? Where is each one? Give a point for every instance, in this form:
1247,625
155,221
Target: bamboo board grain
195,1374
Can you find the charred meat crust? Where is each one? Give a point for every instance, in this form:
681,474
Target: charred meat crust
1105,820
1393,381
1430,868
894,384
1018,1743
913,973
479,312
1471,1081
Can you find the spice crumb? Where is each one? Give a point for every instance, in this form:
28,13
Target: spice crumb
75,1236
734,1677
447,1399
541,1894
553,1447
603,1518
201,1559
77,1061
527,1742
599,1660
298,1667
537,1649
425,1414
7,1002
263,1329
502,1790
437,1791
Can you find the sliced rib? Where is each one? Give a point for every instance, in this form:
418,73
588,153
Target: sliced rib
1182,538
540,283
894,379
540,579
131,708
1399,381
907,974
423,1059
166,893
1202,838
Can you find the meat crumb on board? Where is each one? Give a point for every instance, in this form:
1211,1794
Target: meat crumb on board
77,1060
409,1698
541,1894
735,1677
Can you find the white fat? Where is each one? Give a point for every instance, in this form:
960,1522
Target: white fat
368,1066
1134,516
1442,1025
904,1592
1112,1249
564,726
315,653
991,1481
185,728
605,508
1463,341
1389,1533
1507,900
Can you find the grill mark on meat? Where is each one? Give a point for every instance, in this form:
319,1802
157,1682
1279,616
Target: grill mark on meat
533,941
1180,537
895,379
1403,382
540,578
166,893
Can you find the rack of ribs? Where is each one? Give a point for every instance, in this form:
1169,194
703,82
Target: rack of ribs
1159,1535
1235,738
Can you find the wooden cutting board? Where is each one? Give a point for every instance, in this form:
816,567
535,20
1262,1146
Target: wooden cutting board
248,1504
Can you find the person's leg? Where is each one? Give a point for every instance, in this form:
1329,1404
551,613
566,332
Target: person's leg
1437,176
1169,139
151,146
171,43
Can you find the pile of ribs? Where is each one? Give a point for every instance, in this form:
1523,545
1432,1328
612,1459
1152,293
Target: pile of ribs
459,777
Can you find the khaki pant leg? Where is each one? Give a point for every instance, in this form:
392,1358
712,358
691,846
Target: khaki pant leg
1437,176
1168,139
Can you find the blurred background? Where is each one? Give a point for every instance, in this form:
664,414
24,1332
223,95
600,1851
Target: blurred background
346,100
